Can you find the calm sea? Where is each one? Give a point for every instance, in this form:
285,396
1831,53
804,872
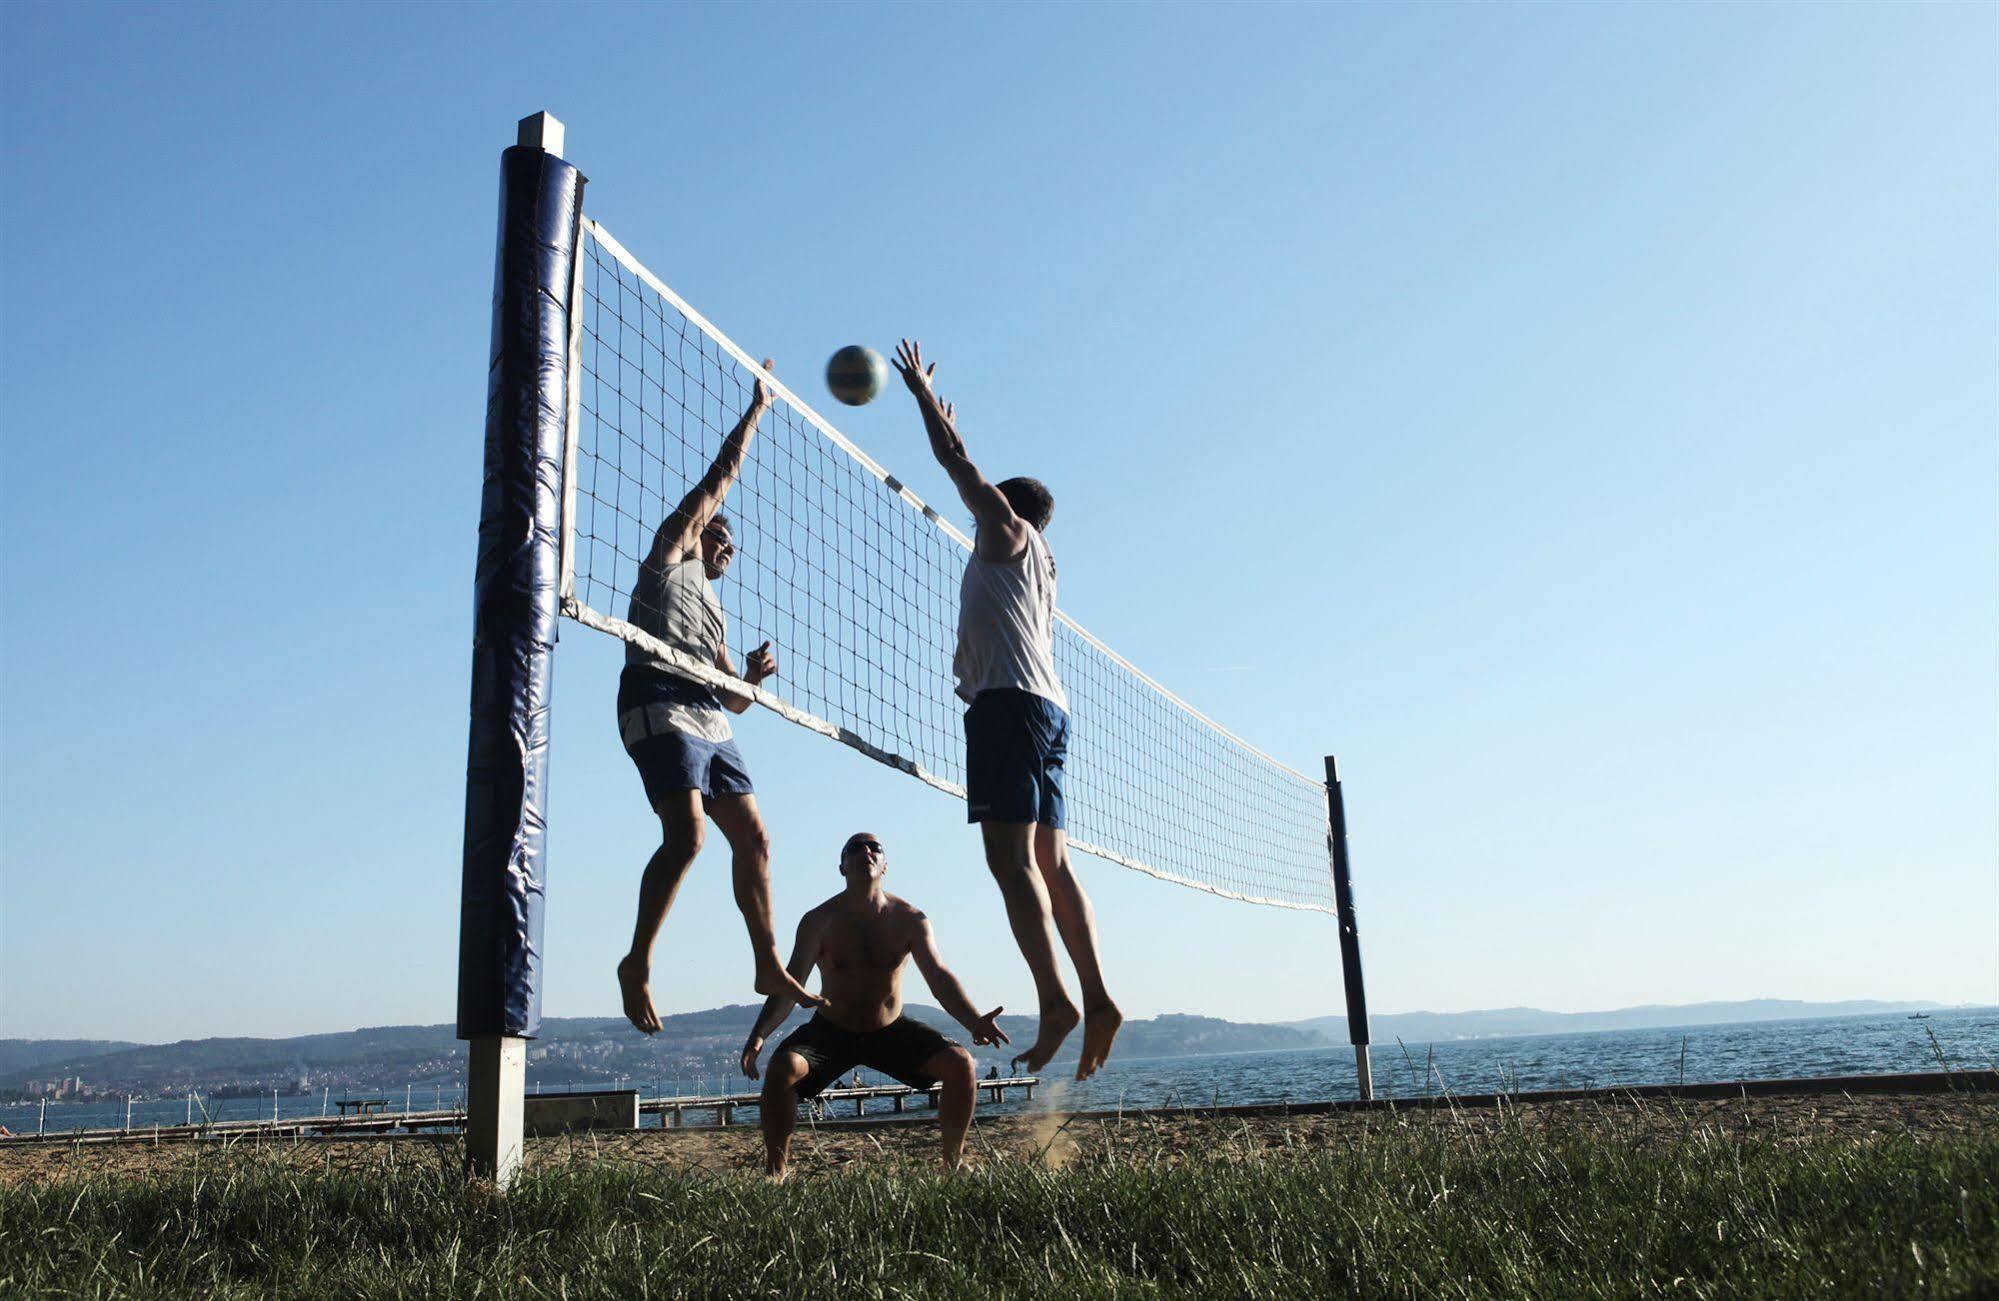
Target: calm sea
1859,1045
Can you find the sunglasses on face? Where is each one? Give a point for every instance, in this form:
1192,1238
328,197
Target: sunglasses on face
875,845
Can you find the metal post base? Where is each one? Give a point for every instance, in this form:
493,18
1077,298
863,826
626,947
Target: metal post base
1364,1070
493,1107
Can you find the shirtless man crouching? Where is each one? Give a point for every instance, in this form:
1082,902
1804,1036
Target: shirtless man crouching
859,940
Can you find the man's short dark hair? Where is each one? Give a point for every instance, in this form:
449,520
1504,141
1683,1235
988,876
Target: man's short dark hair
1030,500
723,520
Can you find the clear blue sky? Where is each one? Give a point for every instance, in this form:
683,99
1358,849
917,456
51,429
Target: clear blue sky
1580,419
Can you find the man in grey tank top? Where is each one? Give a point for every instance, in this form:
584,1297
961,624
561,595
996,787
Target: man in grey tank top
1017,730
676,733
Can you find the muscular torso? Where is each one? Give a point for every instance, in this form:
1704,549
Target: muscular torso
861,956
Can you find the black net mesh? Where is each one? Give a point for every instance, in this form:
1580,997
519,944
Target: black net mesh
857,585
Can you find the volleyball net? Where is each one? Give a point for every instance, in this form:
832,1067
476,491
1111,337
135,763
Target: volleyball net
855,580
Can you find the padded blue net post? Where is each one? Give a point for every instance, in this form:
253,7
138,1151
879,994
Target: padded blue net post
515,597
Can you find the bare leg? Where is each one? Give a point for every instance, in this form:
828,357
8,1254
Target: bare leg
955,1070
1009,855
679,841
749,852
1077,921
778,1111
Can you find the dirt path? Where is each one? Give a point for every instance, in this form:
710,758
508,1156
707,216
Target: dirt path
1058,1140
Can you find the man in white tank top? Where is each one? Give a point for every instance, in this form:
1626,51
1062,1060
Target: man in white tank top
674,729
1017,730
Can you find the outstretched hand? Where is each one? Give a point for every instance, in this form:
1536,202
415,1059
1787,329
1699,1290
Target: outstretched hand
909,364
761,664
986,1029
918,376
760,397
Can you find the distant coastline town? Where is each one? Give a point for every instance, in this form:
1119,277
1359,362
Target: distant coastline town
587,1051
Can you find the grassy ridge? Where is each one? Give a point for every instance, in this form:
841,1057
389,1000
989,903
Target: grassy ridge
1414,1213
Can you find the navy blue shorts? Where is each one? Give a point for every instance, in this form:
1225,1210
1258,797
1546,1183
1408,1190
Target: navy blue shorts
675,761
665,722
1015,745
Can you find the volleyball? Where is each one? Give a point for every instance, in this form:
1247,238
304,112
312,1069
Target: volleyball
855,375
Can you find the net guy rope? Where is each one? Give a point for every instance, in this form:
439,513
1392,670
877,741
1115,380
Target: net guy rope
856,581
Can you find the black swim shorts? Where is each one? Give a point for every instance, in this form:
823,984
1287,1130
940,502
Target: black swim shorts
897,1050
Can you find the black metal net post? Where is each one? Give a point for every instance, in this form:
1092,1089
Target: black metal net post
1336,842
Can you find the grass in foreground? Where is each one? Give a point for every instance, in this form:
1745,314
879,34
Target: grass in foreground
1415,1212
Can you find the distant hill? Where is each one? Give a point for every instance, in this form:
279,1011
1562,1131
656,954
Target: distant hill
570,1050
1170,1035
697,1045
25,1054
1500,1022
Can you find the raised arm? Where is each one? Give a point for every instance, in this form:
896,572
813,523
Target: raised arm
1002,534
680,531
950,994
804,956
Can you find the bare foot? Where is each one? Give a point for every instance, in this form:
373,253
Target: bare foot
632,978
772,978
1100,1026
1056,1023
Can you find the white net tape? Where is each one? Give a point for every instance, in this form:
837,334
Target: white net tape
856,581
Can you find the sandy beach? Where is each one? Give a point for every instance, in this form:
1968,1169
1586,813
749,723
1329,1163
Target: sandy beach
1058,1140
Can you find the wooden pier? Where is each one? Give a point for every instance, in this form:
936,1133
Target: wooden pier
362,1121
673,1111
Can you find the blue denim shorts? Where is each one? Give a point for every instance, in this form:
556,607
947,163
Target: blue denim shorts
676,734
1015,746
675,761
